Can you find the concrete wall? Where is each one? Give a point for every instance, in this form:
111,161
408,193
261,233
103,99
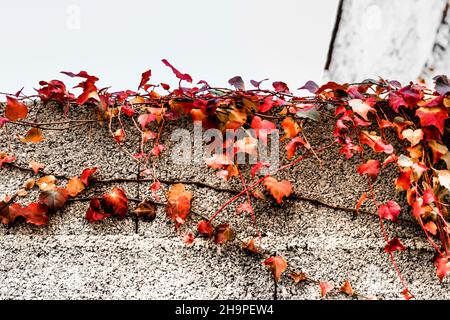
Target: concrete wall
70,258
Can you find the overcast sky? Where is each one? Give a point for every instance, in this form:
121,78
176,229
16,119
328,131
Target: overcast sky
212,40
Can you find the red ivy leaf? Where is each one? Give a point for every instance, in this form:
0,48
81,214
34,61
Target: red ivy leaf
442,267
257,84
435,116
205,228
412,94
267,105
292,146
396,101
371,168
15,110
394,245
237,82
257,167
223,233
127,110
311,86
145,119
277,264
54,199
81,74
262,128
280,87
94,212
145,77
34,213
115,202
325,288
389,211
178,74
86,174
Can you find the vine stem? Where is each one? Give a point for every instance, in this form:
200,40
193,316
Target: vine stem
252,212
386,238
200,184
252,186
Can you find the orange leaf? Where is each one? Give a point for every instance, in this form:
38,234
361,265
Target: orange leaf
36,166
298,277
34,135
430,227
74,186
407,295
347,288
46,183
361,201
179,203
277,264
15,110
250,246
278,189
291,127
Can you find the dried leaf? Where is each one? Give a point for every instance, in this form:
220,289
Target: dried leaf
278,189
34,135
147,210
74,186
115,202
46,183
277,264
54,199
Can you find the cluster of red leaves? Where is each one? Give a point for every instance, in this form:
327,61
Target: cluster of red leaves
367,116
370,113
51,197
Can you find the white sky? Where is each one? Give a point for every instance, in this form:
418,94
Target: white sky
283,40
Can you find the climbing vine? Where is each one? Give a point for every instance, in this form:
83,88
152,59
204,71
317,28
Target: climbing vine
380,121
